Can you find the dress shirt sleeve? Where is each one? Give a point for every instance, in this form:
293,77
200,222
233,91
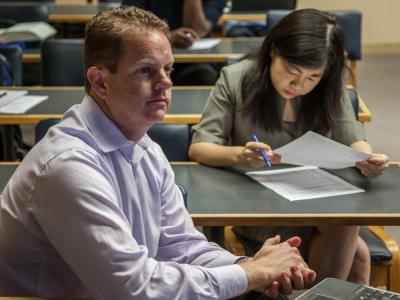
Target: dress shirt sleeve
77,208
177,228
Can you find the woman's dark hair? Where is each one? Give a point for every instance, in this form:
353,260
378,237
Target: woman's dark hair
309,38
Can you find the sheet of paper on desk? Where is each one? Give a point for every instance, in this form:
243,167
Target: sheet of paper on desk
312,149
204,44
8,96
302,183
22,104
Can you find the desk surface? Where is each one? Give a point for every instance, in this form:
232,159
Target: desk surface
218,197
228,48
186,107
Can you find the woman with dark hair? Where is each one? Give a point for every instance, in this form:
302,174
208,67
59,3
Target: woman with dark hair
293,84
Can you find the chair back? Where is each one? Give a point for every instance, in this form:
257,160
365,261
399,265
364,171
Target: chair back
174,140
350,22
352,93
261,5
24,13
62,62
13,54
43,126
274,16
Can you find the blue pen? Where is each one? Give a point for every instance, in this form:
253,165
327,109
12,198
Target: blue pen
262,152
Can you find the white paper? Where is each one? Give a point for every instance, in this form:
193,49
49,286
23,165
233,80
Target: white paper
302,183
22,104
27,31
204,44
313,149
10,96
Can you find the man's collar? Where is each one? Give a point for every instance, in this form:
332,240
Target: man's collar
106,133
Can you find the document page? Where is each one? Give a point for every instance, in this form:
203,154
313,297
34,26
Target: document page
204,44
22,104
8,96
312,149
302,183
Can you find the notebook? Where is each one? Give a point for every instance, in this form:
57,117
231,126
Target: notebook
335,289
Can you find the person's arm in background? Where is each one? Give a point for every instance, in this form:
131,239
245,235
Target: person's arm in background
194,17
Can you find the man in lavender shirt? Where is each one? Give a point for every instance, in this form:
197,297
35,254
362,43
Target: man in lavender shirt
93,210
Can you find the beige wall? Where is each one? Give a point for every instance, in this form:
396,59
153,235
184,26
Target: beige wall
381,18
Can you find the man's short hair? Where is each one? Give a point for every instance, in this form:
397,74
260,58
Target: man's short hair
106,32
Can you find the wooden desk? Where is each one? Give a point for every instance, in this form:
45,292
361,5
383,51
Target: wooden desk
229,48
187,106
77,14
220,197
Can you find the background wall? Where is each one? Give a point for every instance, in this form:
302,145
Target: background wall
380,24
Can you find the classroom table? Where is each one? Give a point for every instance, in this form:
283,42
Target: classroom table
220,197
227,49
187,106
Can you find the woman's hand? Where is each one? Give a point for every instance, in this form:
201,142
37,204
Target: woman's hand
374,166
250,156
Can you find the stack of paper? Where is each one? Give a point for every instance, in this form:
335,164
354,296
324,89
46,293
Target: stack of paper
308,182
18,102
301,183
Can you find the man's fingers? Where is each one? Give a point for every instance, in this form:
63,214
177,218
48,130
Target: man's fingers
273,241
286,284
309,278
297,278
294,241
273,290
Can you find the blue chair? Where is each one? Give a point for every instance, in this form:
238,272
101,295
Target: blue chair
43,126
13,54
350,22
62,62
174,139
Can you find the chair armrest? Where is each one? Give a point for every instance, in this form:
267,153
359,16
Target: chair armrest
364,114
232,243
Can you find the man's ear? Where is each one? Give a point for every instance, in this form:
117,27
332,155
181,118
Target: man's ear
95,76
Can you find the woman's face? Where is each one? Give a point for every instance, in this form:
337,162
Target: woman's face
291,80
